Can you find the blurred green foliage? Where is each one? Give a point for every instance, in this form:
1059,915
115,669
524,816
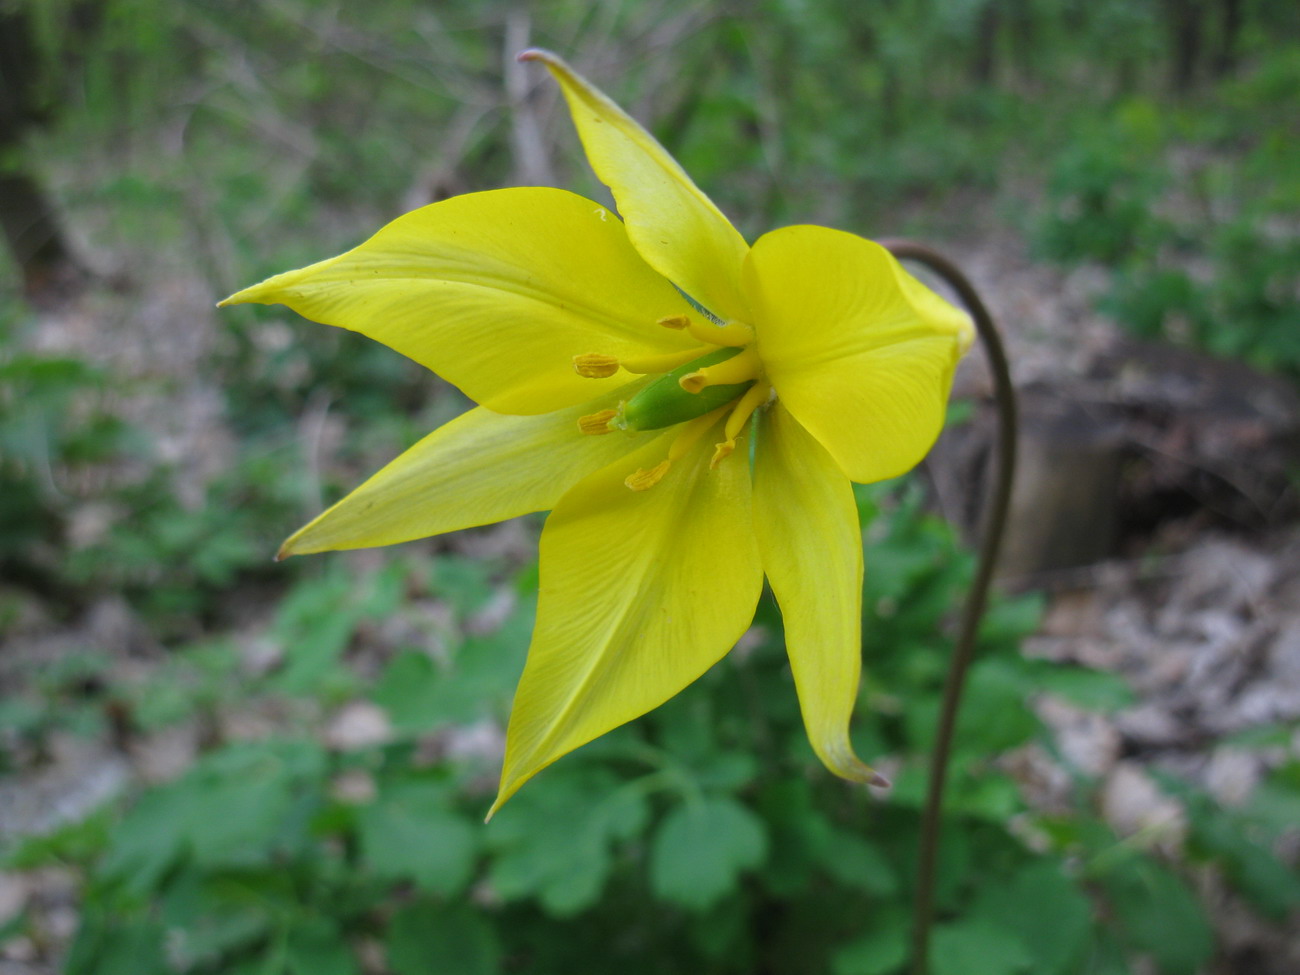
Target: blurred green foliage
225,142
1196,211
704,837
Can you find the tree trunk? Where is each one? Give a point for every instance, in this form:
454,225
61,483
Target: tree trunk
27,219
1185,21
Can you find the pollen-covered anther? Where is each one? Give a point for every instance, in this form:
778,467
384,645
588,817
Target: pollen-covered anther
597,423
595,365
738,369
644,480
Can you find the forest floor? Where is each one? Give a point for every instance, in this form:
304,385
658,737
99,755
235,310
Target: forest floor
1200,616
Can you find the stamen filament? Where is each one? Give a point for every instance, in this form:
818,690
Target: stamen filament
667,362
738,369
735,334
754,397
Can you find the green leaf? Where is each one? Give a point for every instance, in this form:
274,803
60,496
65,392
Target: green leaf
242,797
881,950
1092,690
700,849
410,832
994,715
977,945
315,946
1268,883
207,918
107,945
424,939
1051,915
553,840
857,863
1158,914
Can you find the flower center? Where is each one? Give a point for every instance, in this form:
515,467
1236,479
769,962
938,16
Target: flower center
694,389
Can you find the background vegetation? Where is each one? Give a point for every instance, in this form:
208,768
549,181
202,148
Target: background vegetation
152,456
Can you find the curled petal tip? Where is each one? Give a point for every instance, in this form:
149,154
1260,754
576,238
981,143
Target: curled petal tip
534,54
879,781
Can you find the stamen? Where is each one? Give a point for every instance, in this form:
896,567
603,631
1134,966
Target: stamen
643,480
595,365
738,369
754,397
735,334
645,365
687,437
597,423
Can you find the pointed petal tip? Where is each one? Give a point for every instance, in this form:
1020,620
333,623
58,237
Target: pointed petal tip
244,296
504,793
536,54
879,781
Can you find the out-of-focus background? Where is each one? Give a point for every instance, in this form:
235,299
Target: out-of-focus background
213,763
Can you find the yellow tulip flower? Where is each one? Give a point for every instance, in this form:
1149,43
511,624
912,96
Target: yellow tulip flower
691,409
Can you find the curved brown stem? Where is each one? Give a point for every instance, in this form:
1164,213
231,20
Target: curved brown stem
976,598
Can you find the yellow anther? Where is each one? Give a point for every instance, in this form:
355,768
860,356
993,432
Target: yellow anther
597,423
738,369
649,364
676,322
643,480
595,365
721,451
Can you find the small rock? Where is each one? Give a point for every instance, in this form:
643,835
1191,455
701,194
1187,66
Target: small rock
1134,806
13,896
358,724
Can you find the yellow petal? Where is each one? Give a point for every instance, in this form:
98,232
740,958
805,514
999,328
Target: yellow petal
811,545
641,592
677,229
495,292
857,349
480,468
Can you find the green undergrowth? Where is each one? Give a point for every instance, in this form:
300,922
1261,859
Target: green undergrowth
1195,211
187,145
704,837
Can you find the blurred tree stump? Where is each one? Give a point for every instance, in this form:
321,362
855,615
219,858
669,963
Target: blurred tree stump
1149,440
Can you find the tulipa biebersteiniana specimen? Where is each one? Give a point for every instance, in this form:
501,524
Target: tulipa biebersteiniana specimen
683,453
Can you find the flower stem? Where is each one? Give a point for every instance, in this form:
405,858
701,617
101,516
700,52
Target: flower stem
976,598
